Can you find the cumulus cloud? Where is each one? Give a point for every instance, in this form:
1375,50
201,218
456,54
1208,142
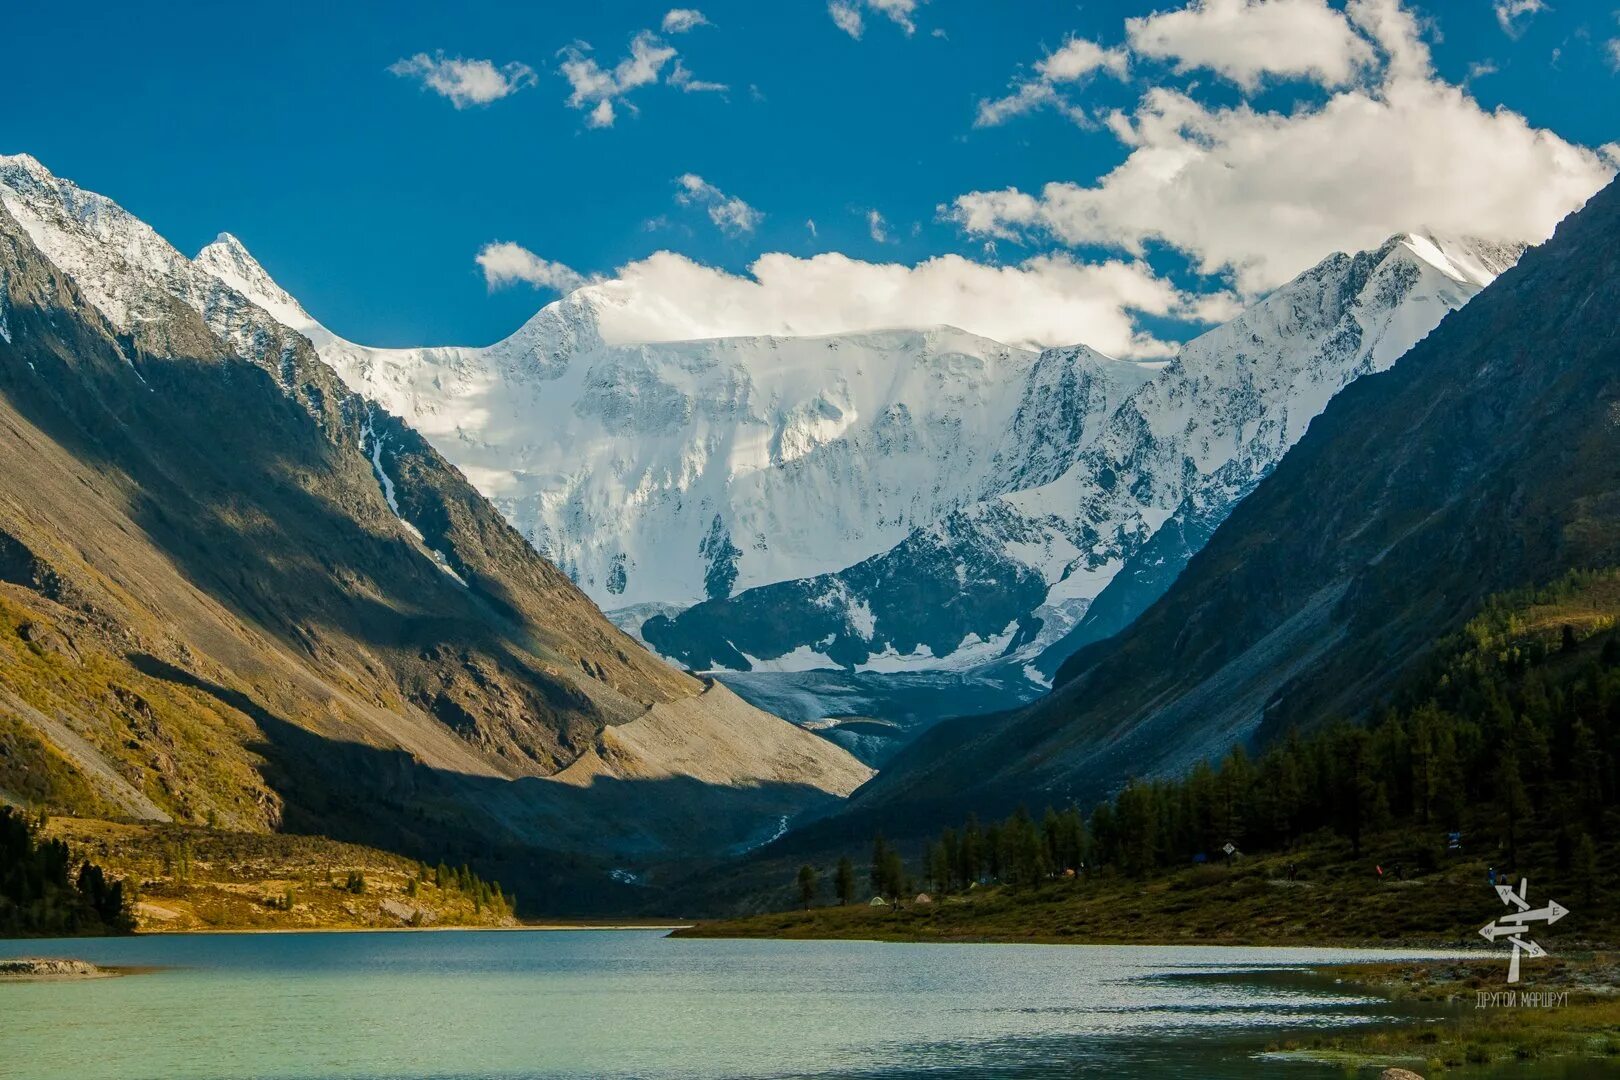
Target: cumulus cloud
680,20
1049,300
598,91
505,263
1264,195
730,214
848,16
1245,40
464,82
1076,59
1614,54
1514,15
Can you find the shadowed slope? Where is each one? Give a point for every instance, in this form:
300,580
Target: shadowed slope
1488,459
203,536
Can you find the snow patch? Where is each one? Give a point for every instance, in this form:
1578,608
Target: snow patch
368,435
804,658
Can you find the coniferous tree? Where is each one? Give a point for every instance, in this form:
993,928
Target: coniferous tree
992,852
1584,868
807,885
879,876
1512,804
844,881
970,854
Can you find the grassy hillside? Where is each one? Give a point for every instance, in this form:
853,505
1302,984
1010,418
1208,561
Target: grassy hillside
189,878
1329,898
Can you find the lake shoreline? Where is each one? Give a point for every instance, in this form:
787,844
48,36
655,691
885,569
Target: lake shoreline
511,929
485,991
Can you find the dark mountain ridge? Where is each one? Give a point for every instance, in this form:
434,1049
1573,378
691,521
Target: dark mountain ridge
1488,459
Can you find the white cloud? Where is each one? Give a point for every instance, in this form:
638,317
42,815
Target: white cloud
1080,57
1074,60
1048,300
898,11
680,20
1514,15
878,227
847,16
1244,40
506,263
810,223
464,82
730,214
1614,53
680,76
598,91
1265,194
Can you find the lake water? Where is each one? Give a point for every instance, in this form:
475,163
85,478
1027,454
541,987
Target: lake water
467,1004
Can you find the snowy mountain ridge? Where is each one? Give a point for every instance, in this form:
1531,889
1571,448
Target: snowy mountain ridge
1011,580
901,500
660,474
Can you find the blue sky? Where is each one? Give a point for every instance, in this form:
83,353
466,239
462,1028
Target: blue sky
368,195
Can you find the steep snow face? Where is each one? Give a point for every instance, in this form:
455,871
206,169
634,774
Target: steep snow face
673,472
1236,398
1010,580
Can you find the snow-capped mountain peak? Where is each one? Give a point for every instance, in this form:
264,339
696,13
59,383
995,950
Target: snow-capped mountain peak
788,499
229,261
1072,553
664,473
1468,260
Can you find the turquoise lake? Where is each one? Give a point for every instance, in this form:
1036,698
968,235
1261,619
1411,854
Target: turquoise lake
468,1004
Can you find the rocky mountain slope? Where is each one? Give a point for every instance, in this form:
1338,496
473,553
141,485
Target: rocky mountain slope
234,591
898,503
1487,460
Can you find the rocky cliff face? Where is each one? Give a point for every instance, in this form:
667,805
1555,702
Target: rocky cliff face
236,591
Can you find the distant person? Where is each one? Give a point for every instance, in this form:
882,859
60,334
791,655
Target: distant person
1490,876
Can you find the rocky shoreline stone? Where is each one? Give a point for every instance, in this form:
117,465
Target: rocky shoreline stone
36,967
